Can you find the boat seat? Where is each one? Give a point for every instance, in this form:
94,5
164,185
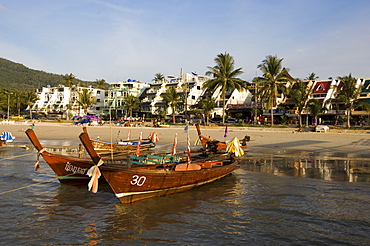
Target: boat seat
153,159
172,158
210,164
139,160
187,167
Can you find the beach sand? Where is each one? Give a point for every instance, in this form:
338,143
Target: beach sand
262,139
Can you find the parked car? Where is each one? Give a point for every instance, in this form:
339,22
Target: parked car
216,120
231,120
196,119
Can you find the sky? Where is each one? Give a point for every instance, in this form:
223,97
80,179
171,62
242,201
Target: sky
116,40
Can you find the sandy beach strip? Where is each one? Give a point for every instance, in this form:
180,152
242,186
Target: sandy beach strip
262,139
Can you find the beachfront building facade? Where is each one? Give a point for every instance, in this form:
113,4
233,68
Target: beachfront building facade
326,92
189,86
62,101
118,92
361,114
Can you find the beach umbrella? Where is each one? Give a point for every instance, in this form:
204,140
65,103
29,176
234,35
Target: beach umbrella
174,145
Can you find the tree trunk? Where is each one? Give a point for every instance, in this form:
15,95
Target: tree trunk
300,120
348,118
223,107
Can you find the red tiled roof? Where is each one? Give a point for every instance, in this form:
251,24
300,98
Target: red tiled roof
321,87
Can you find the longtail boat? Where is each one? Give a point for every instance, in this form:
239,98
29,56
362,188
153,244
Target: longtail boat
68,169
123,146
130,185
213,145
73,170
103,147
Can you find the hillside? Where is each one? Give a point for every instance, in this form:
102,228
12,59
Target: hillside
17,76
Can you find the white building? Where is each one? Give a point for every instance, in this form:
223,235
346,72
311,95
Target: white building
117,92
189,85
63,101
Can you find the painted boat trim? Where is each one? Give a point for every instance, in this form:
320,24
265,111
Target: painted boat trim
71,177
120,195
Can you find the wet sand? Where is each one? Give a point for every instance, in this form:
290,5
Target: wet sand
262,139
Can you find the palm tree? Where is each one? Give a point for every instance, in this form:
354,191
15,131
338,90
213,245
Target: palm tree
273,81
130,103
207,104
86,99
29,99
101,84
312,76
69,79
299,93
348,94
171,98
224,77
316,108
158,77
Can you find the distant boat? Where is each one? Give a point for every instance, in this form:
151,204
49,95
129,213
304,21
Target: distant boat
213,145
123,146
104,147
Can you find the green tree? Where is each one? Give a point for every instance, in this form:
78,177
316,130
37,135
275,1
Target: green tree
69,79
130,103
348,94
101,84
158,77
299,93
273,81
312,76
172,99
224,77
86,99
316,108
207,104
29,98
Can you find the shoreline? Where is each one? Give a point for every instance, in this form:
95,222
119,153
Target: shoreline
262,139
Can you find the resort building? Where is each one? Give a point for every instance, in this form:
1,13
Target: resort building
116,94
62,102
188,85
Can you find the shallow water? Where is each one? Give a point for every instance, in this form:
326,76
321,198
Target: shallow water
273,199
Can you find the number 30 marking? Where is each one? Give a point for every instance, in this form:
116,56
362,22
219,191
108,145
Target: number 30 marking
136,180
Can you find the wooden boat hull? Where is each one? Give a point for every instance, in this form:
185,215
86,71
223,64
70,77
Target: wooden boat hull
130,185
69,170
102,147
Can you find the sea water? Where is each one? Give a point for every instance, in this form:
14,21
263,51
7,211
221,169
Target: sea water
295,199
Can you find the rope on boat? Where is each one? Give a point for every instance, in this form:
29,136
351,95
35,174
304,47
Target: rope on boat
4,159
20,188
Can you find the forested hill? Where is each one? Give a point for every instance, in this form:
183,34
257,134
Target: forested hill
17,76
